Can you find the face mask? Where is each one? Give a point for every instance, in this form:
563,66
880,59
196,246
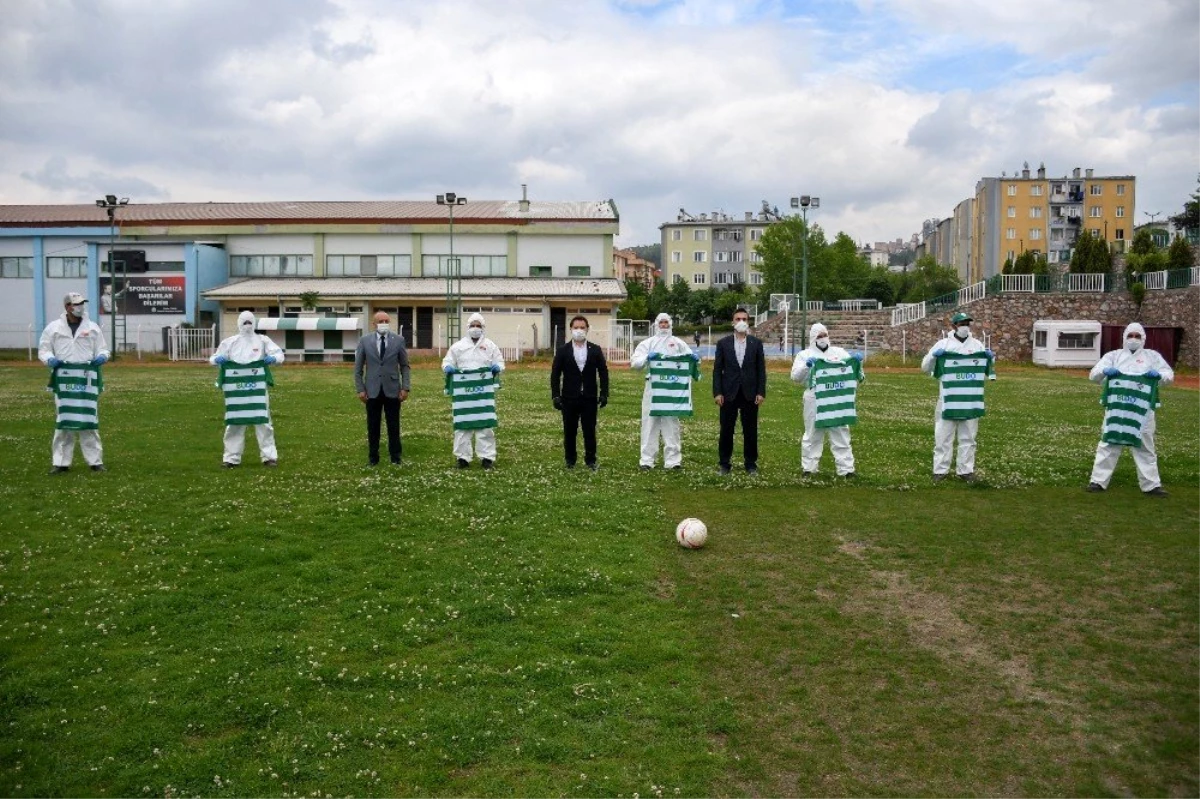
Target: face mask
247,327
962,331
1133,344
475,333
78,310
822,344
382,327
741,327
663,332
578,334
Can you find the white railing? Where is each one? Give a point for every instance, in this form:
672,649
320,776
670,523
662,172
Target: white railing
908,312
191,343
1154,280
18,337
1086,282
1194,276
1014,283
972,293
814,305
858,305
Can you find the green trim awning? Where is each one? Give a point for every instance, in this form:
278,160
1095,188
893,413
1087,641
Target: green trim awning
311,323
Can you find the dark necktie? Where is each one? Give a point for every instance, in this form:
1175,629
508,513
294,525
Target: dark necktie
382,345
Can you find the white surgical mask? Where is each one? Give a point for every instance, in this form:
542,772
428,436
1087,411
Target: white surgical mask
475,333
663,332
962,331
822,343
741,327
1133,344
382,327
247,327
578,334
78,310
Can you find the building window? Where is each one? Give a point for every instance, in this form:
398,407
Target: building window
471,265
755,279
699,234
1012,212
1039,339
1035,190
66,267
676,257
1035,212
1012,190
1011,233
1096,190
579,271
1096,232
1120,210
699,256
755,234
755,257
720,257
541,271
720,278
676,234
698,278
1076,341
1011,255
736,256
1120,233
368,265
270,265
22,267
1095,212
677,278
1035,233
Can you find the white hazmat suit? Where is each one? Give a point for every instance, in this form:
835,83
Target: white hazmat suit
472,353
946,430
85,345
669,428
1135,361
813,442
248,346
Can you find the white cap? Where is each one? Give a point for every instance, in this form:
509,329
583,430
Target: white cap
73,298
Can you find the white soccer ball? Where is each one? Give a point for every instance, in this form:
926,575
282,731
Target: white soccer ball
691,533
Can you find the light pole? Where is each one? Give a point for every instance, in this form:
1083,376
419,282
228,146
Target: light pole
453,273
803,202
110,204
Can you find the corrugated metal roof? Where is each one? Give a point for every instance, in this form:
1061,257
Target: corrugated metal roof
398,212
603,288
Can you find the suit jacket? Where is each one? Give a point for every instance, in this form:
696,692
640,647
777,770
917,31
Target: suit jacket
389,375
568,382
750,378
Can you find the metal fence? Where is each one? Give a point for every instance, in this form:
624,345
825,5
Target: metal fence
1171,279
191,343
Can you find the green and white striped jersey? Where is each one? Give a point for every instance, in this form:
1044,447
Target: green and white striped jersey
76,388
245,386
1127,401
961,379
671,379
835,388
473,398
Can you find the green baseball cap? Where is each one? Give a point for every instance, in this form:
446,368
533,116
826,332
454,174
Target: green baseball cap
960,317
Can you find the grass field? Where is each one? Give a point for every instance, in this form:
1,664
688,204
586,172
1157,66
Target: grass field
169,628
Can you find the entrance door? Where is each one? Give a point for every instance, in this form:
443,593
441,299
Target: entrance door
404,321
558,326
424,329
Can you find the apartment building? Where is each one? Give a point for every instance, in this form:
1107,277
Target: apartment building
628,265
714,249
1046,215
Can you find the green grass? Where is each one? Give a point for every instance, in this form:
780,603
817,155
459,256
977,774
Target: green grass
171,628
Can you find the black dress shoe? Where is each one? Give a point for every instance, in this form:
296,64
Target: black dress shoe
1094,488
723,469
644,468
570,466
463,463
751,469
593,466
677,467
937,478
59,469
850,475
98,467
228,465
1157,491
271,464
969,477
807,474
487,463
396,462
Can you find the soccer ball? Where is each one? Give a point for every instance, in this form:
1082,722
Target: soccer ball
691,533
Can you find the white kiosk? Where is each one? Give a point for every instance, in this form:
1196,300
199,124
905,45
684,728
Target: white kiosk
1066,343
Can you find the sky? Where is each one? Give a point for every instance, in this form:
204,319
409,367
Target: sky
890,111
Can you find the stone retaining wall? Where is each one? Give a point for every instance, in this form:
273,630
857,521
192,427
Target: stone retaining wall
1009,319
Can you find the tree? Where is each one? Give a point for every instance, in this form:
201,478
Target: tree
1028,263
1179,254
678,299
1190,218
648,252
701,305
879,287
1091,255
1144,255
925,280
1143,243
656,303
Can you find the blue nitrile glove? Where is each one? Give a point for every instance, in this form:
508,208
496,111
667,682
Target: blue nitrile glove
809,363
1111,371
654,356
1153,373
220,359
696,357
449,369
495,368
990,354
99,360
54,363
939,352
856,355
270,360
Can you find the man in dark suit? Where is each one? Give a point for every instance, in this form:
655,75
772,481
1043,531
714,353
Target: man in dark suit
381,375
739,387
576,391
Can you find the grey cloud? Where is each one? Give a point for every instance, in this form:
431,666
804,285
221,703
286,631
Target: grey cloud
342,53
55,175
947,130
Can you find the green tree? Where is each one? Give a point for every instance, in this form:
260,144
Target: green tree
879,287
701,305
1180,255
679,297
1143,243
782,251
925,280
656,302
1028,263
1189,220
1091,255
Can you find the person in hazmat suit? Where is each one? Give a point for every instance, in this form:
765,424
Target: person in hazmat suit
961,364
73,347
667,398
244,360
832,376
472,367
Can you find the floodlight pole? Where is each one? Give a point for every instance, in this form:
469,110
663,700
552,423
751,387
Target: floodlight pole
110,204
803,202
453,274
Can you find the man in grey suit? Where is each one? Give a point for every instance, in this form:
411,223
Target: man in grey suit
382,377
